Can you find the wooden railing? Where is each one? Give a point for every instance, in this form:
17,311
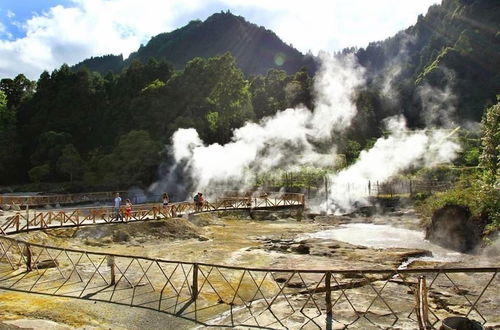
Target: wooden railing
37,219
61,199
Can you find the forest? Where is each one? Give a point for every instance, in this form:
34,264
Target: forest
105,123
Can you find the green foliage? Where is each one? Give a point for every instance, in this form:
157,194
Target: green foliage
153,86
132,162
39,173
490,158
304,177
469,192
70,162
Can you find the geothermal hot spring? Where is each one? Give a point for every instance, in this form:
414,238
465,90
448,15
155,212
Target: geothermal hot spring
284,239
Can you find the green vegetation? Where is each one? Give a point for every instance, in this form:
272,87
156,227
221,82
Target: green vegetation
108,132
479,190
103,124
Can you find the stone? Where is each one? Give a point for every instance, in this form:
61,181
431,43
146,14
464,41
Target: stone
301,249
49,263
453,227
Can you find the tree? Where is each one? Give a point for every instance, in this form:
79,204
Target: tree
70,161
133,161
17,90
39,173
490,157
8,143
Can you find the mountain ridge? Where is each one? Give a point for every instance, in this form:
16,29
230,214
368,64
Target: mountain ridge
255,48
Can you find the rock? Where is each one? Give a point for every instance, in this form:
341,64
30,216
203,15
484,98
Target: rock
6,207
15,207
202,219
331,219
453,227
121,236
301,249
46,264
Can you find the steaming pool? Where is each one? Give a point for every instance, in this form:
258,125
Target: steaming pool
386,236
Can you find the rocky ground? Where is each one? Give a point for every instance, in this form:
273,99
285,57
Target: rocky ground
252,239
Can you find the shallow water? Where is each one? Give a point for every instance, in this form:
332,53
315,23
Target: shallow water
384,236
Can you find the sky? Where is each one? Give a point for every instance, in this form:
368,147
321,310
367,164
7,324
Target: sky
38,35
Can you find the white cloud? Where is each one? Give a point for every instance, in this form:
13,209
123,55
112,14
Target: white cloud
89,28
97,27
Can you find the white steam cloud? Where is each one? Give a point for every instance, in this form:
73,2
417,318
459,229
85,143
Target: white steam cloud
283,140
288,139
389,156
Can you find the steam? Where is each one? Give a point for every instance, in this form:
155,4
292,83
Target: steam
284,140
438,106
289,139
389,156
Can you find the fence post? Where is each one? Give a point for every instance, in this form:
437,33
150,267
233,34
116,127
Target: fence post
28,258
111,264
326,192
422,307
328,295
195,282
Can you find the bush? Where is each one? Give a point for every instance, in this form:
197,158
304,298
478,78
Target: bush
471,192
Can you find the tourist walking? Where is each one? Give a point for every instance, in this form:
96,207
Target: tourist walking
165,199
198,200
118,202
128,209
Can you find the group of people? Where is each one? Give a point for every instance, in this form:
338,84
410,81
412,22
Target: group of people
165,199
128,208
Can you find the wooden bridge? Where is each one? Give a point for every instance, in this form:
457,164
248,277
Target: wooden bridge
43,219
226,295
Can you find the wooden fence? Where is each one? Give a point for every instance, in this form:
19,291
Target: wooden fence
37,219
61,199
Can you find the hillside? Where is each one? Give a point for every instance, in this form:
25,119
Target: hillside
255,48
102,130
455,46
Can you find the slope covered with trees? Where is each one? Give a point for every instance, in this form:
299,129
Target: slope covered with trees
454,49
104,123
255,48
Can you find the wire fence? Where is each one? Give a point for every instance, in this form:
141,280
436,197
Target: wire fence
222,295
218,295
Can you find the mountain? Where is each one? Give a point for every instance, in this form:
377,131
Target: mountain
255,48
454,48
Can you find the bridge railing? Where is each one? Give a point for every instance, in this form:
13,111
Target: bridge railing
218,295
40,219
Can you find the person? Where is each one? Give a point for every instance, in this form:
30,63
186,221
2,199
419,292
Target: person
198,200
128,209
118,202
165,199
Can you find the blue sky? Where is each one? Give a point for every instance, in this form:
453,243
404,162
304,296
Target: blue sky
37,35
